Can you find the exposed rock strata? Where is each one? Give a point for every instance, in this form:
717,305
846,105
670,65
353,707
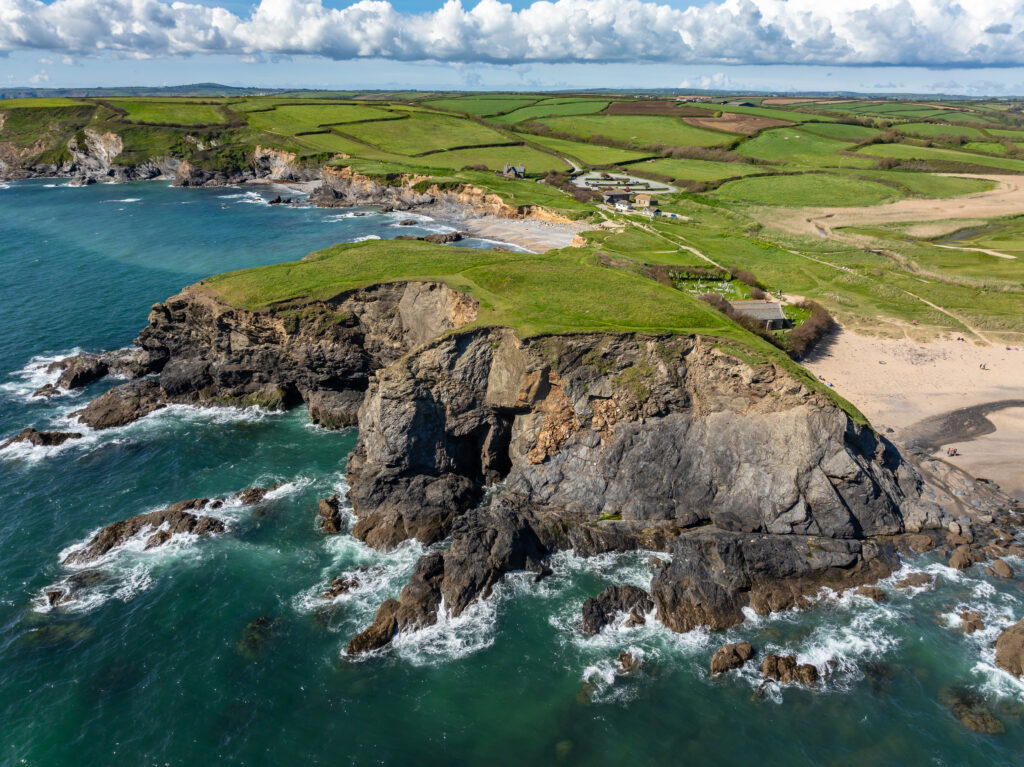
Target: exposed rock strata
763,490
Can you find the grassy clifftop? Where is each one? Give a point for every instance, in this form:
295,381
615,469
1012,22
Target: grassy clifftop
562,291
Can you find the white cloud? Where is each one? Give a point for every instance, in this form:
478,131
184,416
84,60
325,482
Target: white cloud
935,33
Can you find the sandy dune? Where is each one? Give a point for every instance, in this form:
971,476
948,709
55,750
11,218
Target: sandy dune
1006,199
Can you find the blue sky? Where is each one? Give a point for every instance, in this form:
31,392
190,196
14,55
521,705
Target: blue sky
952,46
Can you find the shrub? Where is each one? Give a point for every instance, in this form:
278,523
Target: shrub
804,338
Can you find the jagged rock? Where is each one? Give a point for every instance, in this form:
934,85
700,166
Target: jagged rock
971,621
41,438
785,669
601,610
715,574
165,523
971,709
254,495
871,592
730,656
329,512
408,222
68,589
1010,649
334,409
123,405
915,580
1001,569
416,607
81,371
628,663
47,390
275,200
656,563
963,557
340,585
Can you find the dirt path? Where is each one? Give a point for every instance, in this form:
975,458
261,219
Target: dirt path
950,314
677,242
1006,199
995,253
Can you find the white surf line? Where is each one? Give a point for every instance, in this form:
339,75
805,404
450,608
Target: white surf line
995,253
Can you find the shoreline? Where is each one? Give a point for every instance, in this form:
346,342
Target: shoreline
933,395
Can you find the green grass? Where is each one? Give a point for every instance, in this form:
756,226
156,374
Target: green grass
992,147
563,291
484,106
289,120
544,109
806,190
841,131
171,112
637,130
37,103
331,142
929,184
797,147
907,152
1013,135
790,115
934,130
698,170
495,158
589,154
424,131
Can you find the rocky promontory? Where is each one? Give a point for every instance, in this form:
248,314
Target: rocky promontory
759,488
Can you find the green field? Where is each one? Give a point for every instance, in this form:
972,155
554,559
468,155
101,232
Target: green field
797,147
638,131
543,109
841,131
495,158
929,184
289,120
698,170
37,103
589,154
991,147
807,190
483,106
907,152
790,115
934,129
171,113
424,132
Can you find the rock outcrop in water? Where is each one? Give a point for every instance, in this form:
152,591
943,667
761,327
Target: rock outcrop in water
41,438
762,489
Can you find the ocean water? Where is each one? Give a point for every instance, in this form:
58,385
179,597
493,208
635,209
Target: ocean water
153,664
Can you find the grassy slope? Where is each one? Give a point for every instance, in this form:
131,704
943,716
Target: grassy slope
638,130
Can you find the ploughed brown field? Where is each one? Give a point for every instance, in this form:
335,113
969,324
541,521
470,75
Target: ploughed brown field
735,123
670,108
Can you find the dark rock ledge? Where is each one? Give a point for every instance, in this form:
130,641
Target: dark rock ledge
761,490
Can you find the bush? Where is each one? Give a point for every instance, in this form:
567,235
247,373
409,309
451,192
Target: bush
804,338
758,294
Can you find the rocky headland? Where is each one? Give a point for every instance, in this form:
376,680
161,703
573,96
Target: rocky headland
760,490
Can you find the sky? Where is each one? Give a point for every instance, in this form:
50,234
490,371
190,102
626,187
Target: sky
969,47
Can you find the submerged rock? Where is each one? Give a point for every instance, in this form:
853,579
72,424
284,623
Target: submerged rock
67,590
603,609
628,663
916,580
255,495
971,709
1010,649
730,656
971,621
41,438
871,592
165,523
257,635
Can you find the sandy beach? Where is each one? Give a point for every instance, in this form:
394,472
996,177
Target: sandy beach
898,382
532,234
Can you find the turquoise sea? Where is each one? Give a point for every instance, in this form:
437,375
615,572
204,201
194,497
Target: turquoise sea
154,665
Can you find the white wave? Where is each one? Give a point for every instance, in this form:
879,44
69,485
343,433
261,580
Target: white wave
451,638
499,243
215,414
4,186
34,376
247,198
126,199
365,238
25,451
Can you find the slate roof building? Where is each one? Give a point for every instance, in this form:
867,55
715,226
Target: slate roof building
514,171
768,312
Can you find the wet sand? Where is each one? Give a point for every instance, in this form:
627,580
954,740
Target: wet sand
538,236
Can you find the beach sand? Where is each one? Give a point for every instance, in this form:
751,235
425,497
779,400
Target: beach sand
538,236
898,382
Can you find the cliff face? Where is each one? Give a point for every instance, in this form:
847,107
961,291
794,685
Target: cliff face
761,489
